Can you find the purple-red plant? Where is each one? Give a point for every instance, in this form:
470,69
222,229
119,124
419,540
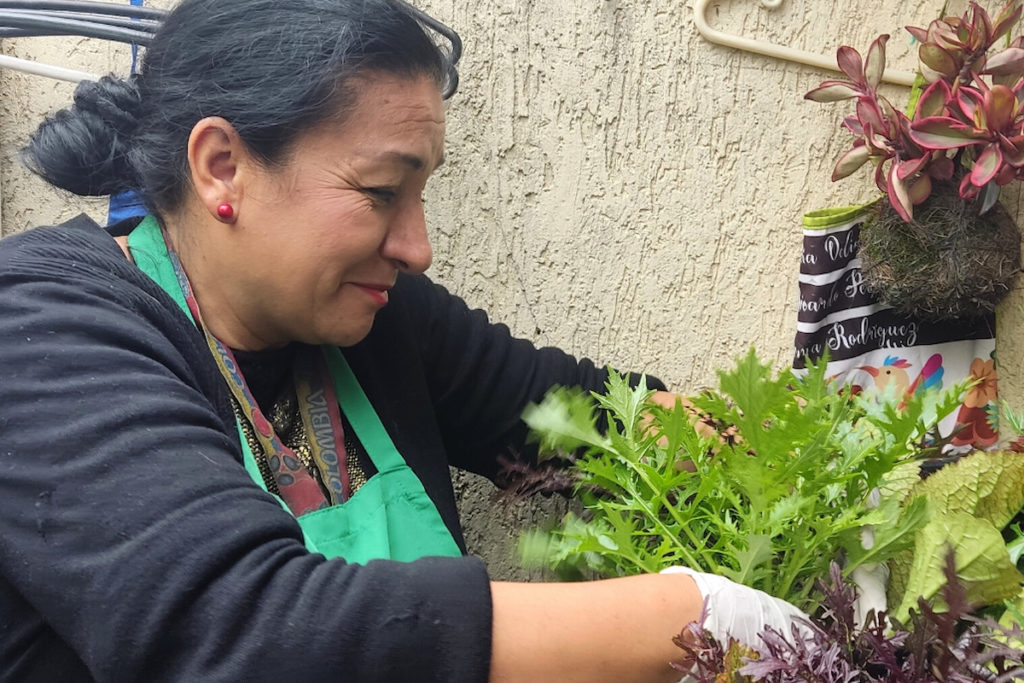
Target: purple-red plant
963,126
934,646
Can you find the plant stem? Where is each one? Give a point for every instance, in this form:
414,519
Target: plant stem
684,528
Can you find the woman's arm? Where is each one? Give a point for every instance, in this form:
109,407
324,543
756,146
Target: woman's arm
480,377
614,630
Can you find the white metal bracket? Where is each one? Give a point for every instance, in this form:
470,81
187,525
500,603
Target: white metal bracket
700,9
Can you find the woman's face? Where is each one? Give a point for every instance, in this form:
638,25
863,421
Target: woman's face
322,238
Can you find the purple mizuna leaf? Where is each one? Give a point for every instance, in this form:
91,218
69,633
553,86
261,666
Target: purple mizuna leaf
850,162
874,64
760,670
987,166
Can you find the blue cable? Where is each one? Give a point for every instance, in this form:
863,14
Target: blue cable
135,47
127,204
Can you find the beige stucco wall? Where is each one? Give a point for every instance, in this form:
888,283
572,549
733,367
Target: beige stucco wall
615,185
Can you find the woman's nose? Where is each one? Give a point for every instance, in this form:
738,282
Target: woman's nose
407,242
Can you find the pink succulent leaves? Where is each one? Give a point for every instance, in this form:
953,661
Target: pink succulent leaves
962,126
864,76
988,125
952,47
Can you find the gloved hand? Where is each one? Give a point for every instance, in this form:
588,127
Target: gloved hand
740,612
871,581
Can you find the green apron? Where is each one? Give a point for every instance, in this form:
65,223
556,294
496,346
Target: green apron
390,516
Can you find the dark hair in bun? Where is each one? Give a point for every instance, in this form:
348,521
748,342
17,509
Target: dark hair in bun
84,148
272,69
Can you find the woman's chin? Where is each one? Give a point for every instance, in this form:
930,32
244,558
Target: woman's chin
350,335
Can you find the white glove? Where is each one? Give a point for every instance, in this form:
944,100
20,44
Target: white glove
871,581
740,612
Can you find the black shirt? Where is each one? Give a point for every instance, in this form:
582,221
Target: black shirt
134,545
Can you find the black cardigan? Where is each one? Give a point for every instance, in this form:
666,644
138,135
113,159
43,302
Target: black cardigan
133,544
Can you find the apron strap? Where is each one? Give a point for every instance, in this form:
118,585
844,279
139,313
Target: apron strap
149,251
401,522
360,413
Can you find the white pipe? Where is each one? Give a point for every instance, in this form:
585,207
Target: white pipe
700,8
37,69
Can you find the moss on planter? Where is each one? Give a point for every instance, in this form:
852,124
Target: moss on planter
949,263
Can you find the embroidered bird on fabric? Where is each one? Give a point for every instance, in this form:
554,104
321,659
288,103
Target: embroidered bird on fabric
894,372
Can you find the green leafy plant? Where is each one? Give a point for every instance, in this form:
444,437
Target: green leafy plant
775,491
968,504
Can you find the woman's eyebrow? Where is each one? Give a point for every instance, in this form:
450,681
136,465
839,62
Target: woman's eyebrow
414,161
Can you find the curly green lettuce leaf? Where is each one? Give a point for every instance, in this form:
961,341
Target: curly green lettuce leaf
989,486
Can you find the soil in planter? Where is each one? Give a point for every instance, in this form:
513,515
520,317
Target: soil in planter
949,263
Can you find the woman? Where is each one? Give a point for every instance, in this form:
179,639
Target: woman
158,380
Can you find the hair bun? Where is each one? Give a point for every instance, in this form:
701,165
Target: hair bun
84,148
115,100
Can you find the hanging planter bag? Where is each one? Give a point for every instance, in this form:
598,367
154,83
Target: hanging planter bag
873,347
950,263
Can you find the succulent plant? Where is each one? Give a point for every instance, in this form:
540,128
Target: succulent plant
967,123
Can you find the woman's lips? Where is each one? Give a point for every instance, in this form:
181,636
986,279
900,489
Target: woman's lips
378,293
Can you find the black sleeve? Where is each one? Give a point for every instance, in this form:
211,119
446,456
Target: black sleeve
481,377
132,530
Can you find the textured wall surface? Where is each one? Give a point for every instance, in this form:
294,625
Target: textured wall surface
615,185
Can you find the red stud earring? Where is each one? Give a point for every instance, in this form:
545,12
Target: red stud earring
226,211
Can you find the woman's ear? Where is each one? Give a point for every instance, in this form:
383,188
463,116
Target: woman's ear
216,154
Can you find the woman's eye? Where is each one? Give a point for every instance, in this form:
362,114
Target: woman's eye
382,195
